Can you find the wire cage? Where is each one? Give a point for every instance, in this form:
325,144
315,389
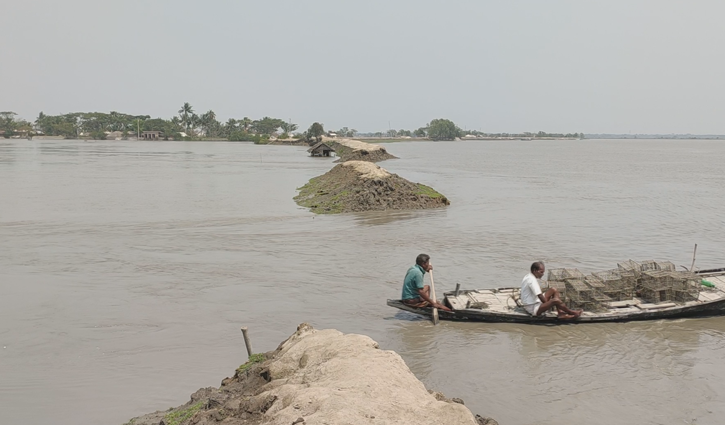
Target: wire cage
594,282
687,288
599,299
630,266
652,281
559,286
556,275
666,266
618,284
648,265
579,294
661,285
573,274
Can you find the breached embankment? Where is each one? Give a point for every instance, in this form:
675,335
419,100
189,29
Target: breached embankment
355,150
355,186
320,377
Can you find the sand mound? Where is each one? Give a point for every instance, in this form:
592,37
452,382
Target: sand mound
363,186
320,377
355,150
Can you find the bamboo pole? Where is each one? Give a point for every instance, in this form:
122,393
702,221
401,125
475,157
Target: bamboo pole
247,342
692,267
433,298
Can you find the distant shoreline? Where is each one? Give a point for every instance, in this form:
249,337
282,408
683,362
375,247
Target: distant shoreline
395,139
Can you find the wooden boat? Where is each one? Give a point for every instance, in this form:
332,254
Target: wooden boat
499,305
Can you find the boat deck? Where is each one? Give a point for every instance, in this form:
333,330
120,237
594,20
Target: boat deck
501,301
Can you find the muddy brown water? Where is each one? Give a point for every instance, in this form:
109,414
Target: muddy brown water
127,269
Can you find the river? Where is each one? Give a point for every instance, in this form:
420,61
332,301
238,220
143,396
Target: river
128,268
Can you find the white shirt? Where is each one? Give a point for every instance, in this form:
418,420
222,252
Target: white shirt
530,290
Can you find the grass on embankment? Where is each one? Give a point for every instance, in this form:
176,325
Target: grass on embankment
427,191
178,417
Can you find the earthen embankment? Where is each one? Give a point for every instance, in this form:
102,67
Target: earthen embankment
320,377
355,186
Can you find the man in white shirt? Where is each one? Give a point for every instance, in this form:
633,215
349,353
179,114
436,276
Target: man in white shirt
537,303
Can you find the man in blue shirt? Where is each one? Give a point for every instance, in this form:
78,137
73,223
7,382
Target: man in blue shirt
414,292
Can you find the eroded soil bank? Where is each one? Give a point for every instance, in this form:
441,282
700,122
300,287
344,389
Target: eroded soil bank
320,377
363,186
355,150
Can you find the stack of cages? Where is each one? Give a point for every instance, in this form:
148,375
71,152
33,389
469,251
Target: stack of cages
665,266
657,286
631,267
631,272
659,282
648,266
618,284
687,286
579,294
556,280
598,295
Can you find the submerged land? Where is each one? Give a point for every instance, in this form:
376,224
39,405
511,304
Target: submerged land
358,184
319,377
355,186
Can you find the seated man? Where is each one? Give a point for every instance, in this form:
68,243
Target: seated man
414,292
537,303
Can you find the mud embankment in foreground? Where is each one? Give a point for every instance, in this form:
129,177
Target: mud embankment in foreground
355,186
315,378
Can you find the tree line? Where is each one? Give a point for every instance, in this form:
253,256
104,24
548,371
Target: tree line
445,129
188,125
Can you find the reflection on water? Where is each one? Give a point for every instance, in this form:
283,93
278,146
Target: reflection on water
126,262
374,218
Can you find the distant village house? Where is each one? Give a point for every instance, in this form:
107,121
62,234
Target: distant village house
152,135
321,149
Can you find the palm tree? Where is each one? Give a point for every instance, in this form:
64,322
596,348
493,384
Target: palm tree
194,122
185,113
245,123
230,127
209,123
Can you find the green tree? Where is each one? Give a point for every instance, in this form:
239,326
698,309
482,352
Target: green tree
229,127
288,127
267,125
186,113
7,123
443,129
315,132
421,132
246,124
346,132
98,135
209,124
58,125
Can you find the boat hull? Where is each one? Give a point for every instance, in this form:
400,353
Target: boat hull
715,308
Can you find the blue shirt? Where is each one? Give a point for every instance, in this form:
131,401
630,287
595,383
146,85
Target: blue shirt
413,282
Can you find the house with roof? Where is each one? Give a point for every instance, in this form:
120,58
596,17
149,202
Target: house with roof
321,149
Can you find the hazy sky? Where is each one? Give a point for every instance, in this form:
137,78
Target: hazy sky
497,66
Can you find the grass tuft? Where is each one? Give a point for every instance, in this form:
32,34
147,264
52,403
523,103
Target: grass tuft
179,416
427,191
254,358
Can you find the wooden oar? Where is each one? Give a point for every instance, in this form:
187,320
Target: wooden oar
433,298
